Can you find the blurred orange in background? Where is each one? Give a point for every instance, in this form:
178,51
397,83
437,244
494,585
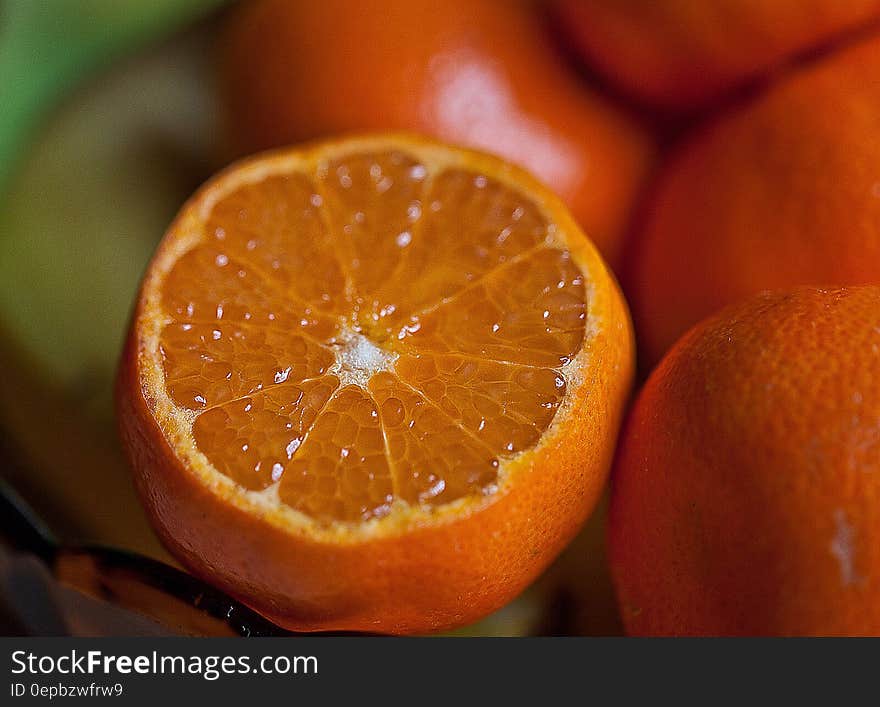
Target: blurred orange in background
782,191
481,73
683,54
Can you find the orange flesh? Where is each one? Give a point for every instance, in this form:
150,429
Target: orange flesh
372,335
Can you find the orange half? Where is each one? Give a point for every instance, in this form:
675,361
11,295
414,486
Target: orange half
373,384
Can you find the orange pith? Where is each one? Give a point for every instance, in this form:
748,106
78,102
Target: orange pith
359,341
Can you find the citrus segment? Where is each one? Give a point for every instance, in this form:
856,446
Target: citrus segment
341,471
210,363
505,406
476,223
207,284
254,225
373,202
306,364
436,460
529,310
253,438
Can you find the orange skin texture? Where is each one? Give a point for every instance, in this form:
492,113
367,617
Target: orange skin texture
430,578
683,54
746,494
479,73
781,193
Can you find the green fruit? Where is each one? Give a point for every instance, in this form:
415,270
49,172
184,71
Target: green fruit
87,205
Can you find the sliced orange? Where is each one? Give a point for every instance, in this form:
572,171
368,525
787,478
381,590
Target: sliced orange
373,384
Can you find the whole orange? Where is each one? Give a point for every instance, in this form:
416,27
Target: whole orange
746,494
480,73
681,54
782,192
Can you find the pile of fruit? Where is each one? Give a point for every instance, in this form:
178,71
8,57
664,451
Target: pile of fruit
380,369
